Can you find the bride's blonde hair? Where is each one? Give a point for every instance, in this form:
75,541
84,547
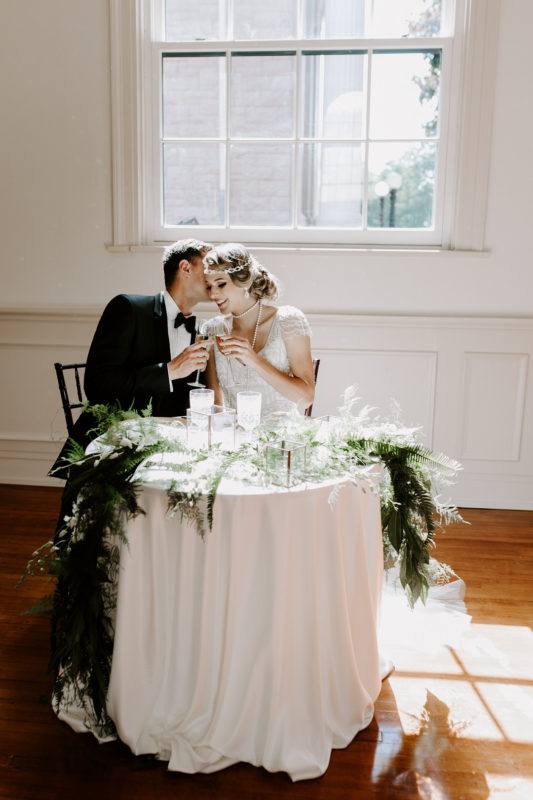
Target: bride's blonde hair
244,270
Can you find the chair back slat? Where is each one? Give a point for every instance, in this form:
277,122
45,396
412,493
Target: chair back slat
78,385
68,406
316,364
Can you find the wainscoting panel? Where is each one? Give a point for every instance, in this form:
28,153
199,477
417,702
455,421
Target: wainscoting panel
389,381
466,381
31,405
493,405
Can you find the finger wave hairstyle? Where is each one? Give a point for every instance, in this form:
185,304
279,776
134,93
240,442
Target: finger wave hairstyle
246,271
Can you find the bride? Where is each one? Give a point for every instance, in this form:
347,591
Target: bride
258,345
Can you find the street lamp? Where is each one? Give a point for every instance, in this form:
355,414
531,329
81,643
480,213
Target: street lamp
381,189
394,181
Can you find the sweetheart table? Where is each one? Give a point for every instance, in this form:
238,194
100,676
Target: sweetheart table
257,644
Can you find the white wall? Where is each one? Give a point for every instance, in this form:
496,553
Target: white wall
55,220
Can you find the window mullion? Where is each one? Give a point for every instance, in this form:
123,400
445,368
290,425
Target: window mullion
151,136
452,10
297,163
300,20
227,221
157,21
367,139
157,179
229,20
446,154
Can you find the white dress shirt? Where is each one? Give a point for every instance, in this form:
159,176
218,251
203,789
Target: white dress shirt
178,338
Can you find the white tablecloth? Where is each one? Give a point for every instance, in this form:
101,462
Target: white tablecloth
258,644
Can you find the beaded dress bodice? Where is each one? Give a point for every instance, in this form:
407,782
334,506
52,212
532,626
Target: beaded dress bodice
234,377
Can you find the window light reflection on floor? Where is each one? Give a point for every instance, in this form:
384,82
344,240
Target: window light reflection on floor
467,709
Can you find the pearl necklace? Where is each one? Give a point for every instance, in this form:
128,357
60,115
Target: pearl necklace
244,313
257,323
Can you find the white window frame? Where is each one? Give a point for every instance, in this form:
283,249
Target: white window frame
466,105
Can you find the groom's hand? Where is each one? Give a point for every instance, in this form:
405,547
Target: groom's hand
190,359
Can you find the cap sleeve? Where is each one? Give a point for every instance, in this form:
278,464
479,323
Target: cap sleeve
293,322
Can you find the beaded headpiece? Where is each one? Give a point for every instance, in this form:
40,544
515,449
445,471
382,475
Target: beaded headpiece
208,271
252,264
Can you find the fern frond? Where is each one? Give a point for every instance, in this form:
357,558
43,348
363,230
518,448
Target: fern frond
412,452
215,483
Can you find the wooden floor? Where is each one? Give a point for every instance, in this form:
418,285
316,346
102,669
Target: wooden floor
456,722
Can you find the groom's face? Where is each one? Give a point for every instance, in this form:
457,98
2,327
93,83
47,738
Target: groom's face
198,278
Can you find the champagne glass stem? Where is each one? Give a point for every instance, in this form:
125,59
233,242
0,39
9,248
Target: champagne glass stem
200,335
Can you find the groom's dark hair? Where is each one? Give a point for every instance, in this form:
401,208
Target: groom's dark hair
184,249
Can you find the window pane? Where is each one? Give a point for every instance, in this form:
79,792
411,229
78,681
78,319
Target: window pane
404,174
341,19
193,184
194,97
261,184
262,96
257,19
334,19
194,21
404,95
332,180
333,95
404,18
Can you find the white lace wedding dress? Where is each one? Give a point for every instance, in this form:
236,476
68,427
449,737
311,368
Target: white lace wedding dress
235,377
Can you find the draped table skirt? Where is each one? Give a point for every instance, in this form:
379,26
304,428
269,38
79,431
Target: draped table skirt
258,644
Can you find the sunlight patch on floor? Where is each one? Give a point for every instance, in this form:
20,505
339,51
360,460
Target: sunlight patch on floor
485,680
461,713
491,651
498,651
509,787
512,706
412,658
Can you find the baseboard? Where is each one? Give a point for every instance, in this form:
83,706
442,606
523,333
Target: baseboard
53,482
480,490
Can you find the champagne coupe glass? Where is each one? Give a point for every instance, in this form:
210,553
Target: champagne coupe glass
220,327
201,335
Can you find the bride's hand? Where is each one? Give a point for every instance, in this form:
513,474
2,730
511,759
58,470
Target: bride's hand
239,348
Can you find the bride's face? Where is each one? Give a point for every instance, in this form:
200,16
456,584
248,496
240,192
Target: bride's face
228,297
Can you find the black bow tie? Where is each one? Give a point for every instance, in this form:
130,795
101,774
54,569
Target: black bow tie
189,322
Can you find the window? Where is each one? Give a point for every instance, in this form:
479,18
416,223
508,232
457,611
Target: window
293,121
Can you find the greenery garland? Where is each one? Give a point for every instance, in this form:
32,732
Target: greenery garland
102,494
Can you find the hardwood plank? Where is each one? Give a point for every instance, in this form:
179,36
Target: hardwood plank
448,724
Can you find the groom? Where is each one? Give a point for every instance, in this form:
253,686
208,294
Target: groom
143,349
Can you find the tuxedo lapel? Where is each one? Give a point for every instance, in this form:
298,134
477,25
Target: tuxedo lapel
161,328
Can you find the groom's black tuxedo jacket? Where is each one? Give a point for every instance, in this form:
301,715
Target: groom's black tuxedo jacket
127,362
